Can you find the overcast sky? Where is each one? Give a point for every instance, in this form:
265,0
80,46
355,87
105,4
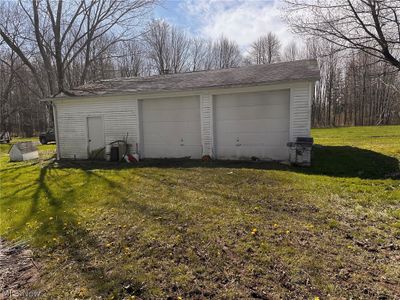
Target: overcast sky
241,20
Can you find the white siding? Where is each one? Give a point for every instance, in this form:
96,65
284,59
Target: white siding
119,116
207,125
300,110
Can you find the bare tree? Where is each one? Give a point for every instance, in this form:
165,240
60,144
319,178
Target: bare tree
19,112
291,52
64,30
198,54
265,50
372,26
131,59
13,31
312,48
226,53
180,50
355,88
209,60
157,39
48,46
7,82
168,47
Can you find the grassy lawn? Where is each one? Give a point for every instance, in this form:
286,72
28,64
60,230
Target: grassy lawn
214,230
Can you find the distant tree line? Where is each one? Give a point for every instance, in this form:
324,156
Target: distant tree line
47,47
357,43
355,89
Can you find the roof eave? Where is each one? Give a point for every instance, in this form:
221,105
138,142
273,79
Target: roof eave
52,99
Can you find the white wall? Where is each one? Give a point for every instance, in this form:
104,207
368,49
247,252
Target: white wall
300,110
207,125
121,115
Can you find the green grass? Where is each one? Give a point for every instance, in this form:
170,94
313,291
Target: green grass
184,229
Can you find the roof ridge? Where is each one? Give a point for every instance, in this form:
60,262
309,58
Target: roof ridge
133,78
251,75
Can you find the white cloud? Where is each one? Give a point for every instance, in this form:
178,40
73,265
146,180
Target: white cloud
243,21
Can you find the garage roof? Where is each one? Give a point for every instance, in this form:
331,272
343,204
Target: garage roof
252,75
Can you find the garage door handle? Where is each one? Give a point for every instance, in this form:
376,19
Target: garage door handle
238,144
90,141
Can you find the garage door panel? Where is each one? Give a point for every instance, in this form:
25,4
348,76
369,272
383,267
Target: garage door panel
267,139
171,127
165,139
253,112
166,127
248,152
170,151
171,104
252,124
180,115
252,99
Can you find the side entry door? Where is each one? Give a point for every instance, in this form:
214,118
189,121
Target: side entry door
95,134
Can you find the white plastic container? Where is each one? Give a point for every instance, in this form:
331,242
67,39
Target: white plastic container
108,152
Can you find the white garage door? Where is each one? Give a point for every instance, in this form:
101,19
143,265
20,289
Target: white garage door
252,124
171,127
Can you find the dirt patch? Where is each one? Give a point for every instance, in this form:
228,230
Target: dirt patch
18,271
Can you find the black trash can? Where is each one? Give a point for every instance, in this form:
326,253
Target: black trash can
114,154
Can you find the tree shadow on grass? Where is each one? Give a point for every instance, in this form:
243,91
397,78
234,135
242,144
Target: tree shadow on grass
60,230
83,246
335,161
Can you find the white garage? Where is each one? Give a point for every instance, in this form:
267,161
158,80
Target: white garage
238,113
171,127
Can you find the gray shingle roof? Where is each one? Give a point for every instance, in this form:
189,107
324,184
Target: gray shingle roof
252,75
